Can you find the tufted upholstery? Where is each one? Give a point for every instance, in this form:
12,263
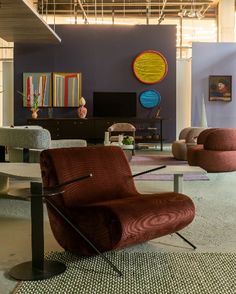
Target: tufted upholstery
215,151
187,137
107,207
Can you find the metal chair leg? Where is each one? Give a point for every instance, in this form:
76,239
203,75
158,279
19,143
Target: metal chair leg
194,247
83,236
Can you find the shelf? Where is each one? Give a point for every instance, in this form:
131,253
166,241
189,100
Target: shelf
148,130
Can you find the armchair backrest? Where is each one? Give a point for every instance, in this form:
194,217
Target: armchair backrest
203,135
193,134
222,139
183,133
190,134
122,127
111,174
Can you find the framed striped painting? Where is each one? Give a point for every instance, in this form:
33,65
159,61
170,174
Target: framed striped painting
66,89
37,84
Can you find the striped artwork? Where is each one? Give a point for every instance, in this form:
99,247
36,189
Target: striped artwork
39,84
66,89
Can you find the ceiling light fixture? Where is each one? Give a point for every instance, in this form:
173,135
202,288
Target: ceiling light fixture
192,13
182,13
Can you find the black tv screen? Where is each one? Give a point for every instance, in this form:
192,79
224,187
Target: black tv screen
114,104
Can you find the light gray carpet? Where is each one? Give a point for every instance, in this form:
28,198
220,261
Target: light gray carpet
213,229
143,273
152,159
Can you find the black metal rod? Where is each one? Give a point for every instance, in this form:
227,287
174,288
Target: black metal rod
83,236
148,171
194,247
2,153
26,155
70,182
37,232
161,138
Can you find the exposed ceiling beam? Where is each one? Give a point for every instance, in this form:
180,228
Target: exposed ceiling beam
19,22
110,3
169,8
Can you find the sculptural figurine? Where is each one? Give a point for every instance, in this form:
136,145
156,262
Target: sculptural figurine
82,111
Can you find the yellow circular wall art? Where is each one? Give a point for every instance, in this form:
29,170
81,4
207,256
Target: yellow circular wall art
150,67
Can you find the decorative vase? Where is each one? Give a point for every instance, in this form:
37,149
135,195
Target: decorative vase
158,112
82,111
34,114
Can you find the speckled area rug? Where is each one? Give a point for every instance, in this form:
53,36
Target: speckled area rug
143,273
150,159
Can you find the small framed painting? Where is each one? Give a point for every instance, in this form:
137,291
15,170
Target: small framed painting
37,84
220,88
66,89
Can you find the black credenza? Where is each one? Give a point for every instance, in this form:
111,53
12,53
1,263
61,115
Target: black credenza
148,130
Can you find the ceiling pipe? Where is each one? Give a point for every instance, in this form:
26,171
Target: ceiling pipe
162,15
83,12
184,3
147,11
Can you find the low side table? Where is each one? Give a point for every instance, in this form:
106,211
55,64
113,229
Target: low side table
177,170
128,149
38,268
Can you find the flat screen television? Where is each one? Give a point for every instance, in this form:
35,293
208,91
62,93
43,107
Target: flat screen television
114,104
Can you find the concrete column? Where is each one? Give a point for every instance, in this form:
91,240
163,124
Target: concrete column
1,90
226,20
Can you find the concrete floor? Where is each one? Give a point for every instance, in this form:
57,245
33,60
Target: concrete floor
16,243
15,231
213,230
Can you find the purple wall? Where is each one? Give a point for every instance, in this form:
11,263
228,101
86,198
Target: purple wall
104,55
213,59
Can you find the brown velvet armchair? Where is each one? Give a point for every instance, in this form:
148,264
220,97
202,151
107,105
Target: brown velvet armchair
106,208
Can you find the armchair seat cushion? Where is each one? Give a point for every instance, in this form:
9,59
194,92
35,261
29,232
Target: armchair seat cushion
122,222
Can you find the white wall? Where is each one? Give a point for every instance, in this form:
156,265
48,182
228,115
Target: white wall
213,59
7,95
183,94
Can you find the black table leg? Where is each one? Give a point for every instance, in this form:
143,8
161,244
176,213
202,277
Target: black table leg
161,138
2,153
38,268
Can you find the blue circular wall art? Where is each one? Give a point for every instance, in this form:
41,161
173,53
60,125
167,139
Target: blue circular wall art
150,98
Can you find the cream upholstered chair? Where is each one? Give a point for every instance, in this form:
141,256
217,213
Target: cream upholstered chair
125,129
187,137
25,143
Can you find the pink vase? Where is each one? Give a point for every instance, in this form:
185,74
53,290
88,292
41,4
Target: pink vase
82,112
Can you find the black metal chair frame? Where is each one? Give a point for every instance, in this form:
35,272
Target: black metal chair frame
39,268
